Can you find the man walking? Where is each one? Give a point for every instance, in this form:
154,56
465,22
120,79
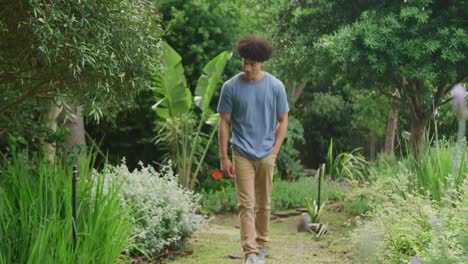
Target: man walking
253,104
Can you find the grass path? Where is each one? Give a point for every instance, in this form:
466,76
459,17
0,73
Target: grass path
220,238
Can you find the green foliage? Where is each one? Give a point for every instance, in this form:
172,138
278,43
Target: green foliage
450,241
130,135
285,195
357,205
387,165
174,102
415,47
288,163
313,210
36,226
200,30
406,229
370,112
352,165
327,116
173,96
405,221
99,54
435,171
222,200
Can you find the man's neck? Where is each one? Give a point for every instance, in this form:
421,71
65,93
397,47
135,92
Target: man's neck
259,76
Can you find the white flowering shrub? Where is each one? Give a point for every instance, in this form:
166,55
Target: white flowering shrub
164,213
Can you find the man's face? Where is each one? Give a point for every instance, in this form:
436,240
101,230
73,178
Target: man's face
251,68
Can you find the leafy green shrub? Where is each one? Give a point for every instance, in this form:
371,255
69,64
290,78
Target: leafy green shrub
36,213
288,163
165,214
403,224
404,228
450,241
387,177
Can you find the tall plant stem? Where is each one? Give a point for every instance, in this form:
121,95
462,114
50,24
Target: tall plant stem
192,151
195,174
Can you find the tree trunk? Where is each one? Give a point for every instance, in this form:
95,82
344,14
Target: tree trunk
391,129
420,115
418,126
53,113
74,122
294,91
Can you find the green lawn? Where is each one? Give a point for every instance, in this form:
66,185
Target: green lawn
221,237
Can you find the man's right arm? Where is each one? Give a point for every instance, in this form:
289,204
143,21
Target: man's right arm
226,164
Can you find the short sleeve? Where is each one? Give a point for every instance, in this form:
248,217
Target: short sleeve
281,100
225,100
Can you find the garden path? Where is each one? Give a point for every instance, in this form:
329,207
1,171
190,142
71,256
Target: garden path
214,243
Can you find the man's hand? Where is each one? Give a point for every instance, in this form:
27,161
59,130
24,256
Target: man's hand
275,152
227,168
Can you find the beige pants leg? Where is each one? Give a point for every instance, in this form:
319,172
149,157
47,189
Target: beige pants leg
254,181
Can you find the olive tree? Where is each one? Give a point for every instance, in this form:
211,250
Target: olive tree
84,57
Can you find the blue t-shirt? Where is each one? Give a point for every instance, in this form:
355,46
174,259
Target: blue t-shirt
254,107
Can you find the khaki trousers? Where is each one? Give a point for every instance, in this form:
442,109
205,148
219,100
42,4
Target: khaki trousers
254,182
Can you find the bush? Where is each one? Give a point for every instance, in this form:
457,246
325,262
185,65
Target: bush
165,214
404,224
363,197
288,163
450,241
404,231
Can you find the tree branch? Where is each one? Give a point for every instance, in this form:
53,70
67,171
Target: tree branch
95,145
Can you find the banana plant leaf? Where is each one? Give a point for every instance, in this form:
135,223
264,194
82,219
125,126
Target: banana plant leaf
173,97
208,81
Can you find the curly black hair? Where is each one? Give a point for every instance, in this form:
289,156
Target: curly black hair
254,48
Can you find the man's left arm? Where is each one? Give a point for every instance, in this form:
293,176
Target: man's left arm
280,132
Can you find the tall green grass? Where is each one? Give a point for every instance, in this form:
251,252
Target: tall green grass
438,169
36,215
